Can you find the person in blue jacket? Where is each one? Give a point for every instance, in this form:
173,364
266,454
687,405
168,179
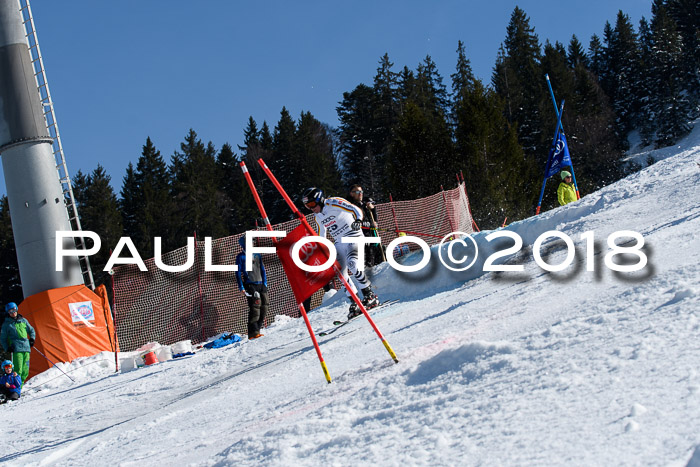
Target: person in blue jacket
17,336
253,284
10,383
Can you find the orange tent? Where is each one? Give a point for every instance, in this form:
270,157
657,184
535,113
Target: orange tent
70,322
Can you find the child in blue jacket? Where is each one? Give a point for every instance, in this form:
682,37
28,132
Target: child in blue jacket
10,383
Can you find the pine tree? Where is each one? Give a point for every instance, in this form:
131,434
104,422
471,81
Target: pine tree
669,100
387,103
625,73
358,129
686,14
414,165
195,189
597,58
432,94
519,80
607,74
555,63
407,89
593,142
156,211
239,203
287,167
499,178
463,78
314,156
10,283
265,138
257,144
647,113
99,212
129,202
576,54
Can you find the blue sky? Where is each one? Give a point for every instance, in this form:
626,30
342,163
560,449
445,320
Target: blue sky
122,71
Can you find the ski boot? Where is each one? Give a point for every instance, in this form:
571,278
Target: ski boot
370,299
354,311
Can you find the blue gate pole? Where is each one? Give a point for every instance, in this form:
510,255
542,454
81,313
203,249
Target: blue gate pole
554,101
549,157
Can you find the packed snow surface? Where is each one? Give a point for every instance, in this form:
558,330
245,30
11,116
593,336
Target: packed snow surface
577,367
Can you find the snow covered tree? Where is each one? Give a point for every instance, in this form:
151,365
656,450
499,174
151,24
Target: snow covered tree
518,78
686,14
672,108
623,50
647,113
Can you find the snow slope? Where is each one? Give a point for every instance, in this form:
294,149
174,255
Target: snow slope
515,368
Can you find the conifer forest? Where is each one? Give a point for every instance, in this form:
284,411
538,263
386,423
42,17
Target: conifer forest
411,130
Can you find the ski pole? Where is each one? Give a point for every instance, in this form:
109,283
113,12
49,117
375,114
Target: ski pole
47,359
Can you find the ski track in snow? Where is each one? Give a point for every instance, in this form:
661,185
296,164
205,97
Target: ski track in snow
533,367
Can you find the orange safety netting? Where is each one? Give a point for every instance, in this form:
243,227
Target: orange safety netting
164,307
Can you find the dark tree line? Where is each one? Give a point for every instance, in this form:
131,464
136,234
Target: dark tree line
409,132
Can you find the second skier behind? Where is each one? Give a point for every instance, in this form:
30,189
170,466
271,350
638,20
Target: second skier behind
340,218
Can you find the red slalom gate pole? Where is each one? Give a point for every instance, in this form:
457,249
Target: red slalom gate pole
266,220
309,229
114,320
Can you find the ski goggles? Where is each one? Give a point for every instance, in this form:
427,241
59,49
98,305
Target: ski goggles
311,204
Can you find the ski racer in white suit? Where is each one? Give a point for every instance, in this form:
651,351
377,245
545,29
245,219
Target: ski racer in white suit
340,218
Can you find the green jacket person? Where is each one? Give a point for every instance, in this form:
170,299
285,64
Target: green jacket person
17,336
566,192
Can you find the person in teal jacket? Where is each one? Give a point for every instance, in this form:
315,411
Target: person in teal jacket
17,336
10,383
566,192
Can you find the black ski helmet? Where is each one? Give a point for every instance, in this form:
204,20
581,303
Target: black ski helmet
313,195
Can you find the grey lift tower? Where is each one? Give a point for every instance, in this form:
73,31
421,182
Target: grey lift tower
38,186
